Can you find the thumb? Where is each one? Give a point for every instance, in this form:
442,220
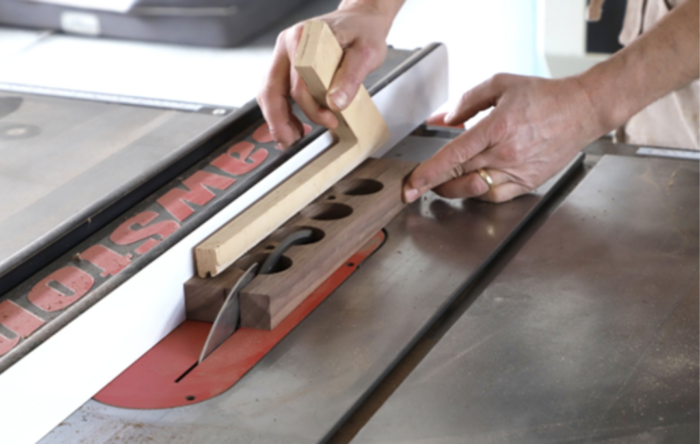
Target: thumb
358,62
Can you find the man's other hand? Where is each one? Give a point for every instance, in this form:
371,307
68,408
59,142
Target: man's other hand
535,128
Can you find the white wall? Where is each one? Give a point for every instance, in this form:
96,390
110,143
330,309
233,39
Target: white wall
483,37
562,27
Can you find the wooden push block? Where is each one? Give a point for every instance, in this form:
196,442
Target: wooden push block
361,131
342,219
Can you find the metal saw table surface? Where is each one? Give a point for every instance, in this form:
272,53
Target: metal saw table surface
590,333
306,387
67,160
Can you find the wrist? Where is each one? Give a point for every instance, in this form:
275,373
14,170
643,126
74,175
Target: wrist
608,110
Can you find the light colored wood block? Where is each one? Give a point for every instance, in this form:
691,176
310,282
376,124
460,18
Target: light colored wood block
361,131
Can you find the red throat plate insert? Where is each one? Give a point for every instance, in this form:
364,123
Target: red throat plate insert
168,374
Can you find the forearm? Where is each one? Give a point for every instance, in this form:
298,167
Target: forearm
387,8
660,61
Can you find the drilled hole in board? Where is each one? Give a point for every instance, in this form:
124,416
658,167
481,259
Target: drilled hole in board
282,234
331,197
190,398
359,187
246,261
327,211
270,247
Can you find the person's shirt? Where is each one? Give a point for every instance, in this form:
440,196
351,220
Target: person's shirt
673,120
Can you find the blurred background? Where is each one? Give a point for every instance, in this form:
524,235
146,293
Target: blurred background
115,46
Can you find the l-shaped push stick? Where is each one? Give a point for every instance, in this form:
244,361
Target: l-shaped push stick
360,132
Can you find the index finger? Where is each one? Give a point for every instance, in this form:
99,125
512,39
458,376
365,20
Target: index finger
448,163
273,98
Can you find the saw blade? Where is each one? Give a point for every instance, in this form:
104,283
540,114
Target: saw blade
227,320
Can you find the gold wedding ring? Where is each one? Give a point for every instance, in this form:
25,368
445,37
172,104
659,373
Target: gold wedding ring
484,175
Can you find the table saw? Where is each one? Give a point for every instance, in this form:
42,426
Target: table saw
569,314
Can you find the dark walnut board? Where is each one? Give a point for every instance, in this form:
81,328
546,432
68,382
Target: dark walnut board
342,219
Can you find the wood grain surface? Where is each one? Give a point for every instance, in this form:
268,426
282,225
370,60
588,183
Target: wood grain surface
268,299
343,219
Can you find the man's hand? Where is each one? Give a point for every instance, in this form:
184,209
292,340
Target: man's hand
535,128
537,125
361,28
